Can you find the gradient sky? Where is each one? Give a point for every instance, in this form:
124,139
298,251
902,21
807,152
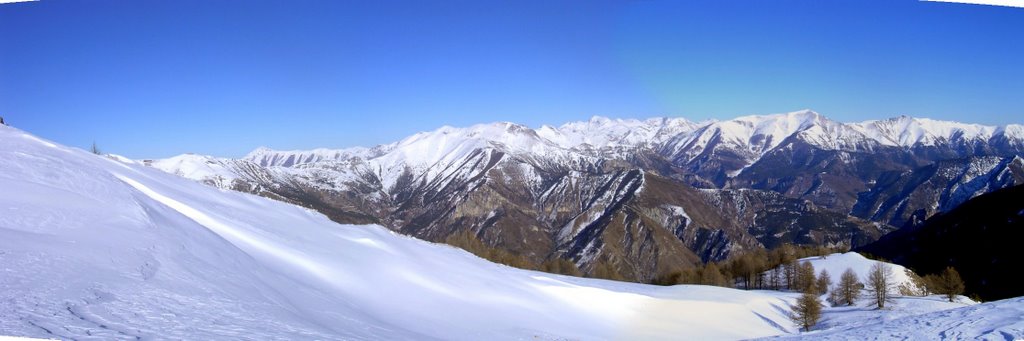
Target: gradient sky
151,79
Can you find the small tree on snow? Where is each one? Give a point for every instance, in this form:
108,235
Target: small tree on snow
949,284
848,289
880,284
823,282
807,310
94,149
805,279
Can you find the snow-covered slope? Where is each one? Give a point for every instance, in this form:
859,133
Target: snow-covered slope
194,166
267,157
837,263
601,132
93,247
910,317
905,131
999,320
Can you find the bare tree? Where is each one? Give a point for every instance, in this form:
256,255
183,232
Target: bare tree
789,271
94,149
848,288
880,284
807,310
775,278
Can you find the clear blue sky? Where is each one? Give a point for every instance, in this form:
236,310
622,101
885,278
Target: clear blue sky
159,78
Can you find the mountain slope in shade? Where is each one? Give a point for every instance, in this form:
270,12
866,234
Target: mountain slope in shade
979,238
94,247
908,198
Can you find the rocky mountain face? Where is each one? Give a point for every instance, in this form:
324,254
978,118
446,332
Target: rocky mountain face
644,197
908,198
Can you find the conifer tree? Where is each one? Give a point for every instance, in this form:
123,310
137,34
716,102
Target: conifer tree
805,277
711,275
823,282
848,289
949,284
807,310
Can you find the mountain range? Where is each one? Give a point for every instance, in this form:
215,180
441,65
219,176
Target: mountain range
642,197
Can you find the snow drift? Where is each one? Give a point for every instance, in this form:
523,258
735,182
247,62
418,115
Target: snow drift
95,247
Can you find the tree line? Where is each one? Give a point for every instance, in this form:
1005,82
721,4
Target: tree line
468,241
775,269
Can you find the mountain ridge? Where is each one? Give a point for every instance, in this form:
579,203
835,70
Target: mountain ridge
595,192
901,131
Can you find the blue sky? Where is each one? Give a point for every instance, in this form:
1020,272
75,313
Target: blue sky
159,78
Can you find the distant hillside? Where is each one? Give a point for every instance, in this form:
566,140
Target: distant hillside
980,238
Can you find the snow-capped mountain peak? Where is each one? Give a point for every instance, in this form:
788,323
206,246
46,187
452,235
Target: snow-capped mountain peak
906,131
267,157
743,141
601,132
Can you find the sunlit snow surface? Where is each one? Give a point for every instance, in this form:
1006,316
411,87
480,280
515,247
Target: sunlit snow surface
96,248
923,318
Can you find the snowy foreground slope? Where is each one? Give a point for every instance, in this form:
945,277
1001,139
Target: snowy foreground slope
911,318
999,320
96,248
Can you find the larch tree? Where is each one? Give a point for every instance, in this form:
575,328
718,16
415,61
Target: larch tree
880,284
807,310
823,282
711,275
848,289
949,284
789,271
805,277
